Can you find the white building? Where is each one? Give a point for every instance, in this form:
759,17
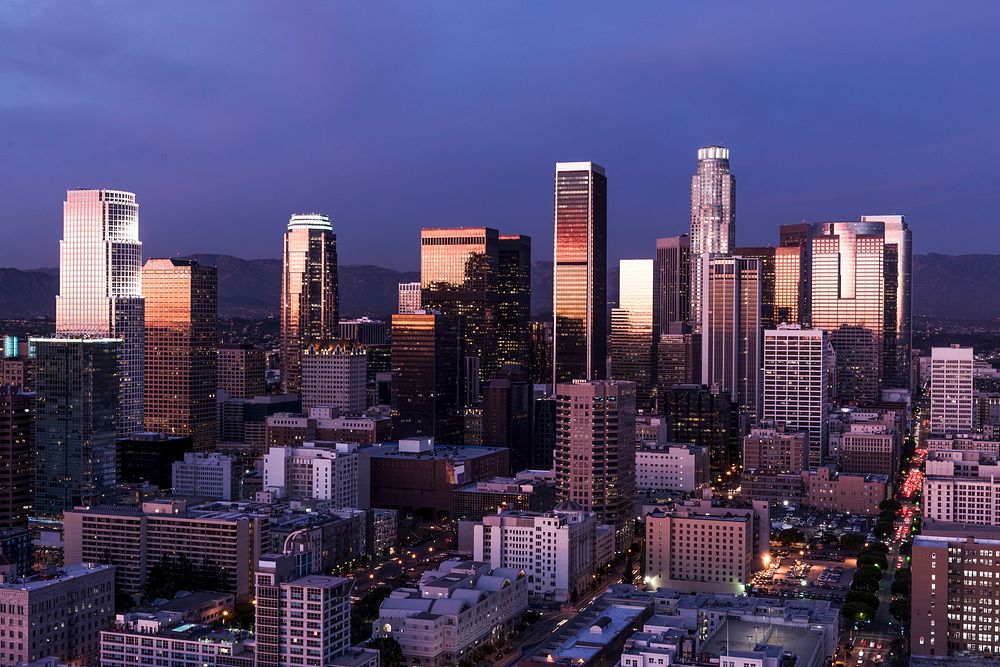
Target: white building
60,615
951,389
410,300
459,606
797,365
335,374
555,549
201,474
671,467
164,639
319,470
967,500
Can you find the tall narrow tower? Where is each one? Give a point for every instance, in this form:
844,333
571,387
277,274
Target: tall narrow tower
100,285
713,216
580,283
310,303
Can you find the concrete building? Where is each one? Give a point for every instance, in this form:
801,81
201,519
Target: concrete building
165,639
474,501
826,489
17,438
288,429
555,549
240,370
324,471
409,298
57,614
211,475
775,448
455,608
865,452
951,390
671,467
650,429
972,500
243,421
365,331
678,358
698,547
707,417
16,551
334,373
771,487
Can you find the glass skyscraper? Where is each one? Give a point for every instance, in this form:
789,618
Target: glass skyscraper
672,273
514,286
713,216
310,302
580,282
100,284
632,350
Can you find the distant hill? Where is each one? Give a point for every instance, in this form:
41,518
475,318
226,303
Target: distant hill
956,286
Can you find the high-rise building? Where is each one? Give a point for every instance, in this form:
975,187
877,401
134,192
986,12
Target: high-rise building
76,416
790,287
632,351
951,390
678,358
365,330
145,458
409,298
16,456
241,370
580,282
514,308
767,257
316,470
541,352
100,285
507,415
731,328
310,301
181,354
426,376
672,291
334,373
860,294
796,371
772,448
543,433
713,217
595,450
707,417
211,475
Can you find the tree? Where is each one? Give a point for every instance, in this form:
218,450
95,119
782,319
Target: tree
883,528
856,611
902,584
890,504
876,547
900,610
873,559
791,536
389,651
864,597
851,541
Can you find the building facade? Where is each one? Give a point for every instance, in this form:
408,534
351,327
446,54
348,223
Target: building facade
951,390
334,373
713,217
632,351
211,475
409,298
241,370
671,467
17,456
323,471
672,276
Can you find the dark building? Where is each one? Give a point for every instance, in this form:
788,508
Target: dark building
147,457
427,377
507,410
16,549
678,358
580,273
474,501
541,352
378,373
243,421
672,282
514,287
241,370
543,433
698,415
765,255
16,456
794,236
77,407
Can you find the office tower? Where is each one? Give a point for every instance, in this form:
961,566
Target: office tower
790,287
730,329
796,371
57,614
241,370
76,414
426,376
334,373
507,415
632,351
514,309
672,291
773,448
951,390
315,470
678,358
100,285
768,258
409,298
458,274
17,364
16,456
541,352
713,217
145,458
543,433
595,450
860,294
181,355
580,281
365,331
283,637
310,301
708,418
794,236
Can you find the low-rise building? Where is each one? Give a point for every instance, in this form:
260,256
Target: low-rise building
770,448
771,487
209,475
319,470
671,467
474,501
866,452
327,424
193,606
827,489
165,639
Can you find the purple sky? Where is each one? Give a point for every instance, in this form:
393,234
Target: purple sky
225,117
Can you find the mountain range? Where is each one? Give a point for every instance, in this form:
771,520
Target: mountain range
947,286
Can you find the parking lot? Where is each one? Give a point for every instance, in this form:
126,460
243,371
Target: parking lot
791,577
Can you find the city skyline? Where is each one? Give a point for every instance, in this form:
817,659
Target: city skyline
932,160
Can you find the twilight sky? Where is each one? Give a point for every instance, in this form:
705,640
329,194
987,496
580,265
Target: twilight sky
225,117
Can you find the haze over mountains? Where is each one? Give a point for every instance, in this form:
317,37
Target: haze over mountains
954,286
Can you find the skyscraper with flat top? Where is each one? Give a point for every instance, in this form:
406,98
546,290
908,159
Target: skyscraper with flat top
181,355
632,351
951,390
100,285
514,309
672,274
310,302
580,284
713,216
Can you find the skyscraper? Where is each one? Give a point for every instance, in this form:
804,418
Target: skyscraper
707,417
514,312
713,216
899,301
181,349
100,285
458,276
767,257
334,373
678,358
310,302
790,285
951,390
580,285
730,329
632,352
541,352
672,273
17,439
241,370
409,298
595,450
76,410
507,415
